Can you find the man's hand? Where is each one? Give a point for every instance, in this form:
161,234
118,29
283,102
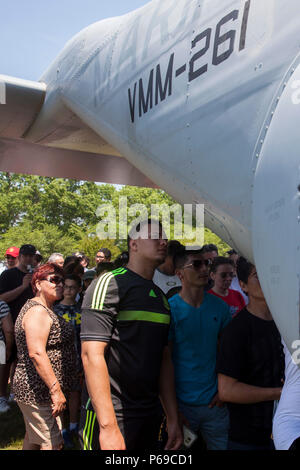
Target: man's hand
110,438
175,435
26,280
216,402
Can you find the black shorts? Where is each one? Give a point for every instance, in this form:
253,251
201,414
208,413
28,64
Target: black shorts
13,355
140,434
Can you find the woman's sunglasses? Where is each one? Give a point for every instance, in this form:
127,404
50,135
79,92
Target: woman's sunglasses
56,280
198,263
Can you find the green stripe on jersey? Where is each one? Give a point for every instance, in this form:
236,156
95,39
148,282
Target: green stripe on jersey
101,287
142,315
88,431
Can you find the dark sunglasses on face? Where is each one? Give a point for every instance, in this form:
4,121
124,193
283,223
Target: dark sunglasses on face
224,275
198,263
56,280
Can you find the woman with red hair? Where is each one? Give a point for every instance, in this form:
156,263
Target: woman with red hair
46,366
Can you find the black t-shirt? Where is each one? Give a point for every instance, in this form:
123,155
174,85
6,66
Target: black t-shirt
132,315
251,351
10,279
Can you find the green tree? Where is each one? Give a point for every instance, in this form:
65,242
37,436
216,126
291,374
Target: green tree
47,240
58,214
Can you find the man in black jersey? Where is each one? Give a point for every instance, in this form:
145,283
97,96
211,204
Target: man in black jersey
250,367
124,334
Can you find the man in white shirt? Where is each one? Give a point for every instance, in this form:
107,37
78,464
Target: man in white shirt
286,422
164,276
235,284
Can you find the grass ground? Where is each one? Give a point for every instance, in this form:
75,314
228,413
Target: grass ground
12,429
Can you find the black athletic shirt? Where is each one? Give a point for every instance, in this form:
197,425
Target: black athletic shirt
10,279
251,351
132,315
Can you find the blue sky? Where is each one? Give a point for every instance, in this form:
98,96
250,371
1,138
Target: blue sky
33,32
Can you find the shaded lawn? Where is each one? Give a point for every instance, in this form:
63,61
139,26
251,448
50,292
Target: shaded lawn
12,429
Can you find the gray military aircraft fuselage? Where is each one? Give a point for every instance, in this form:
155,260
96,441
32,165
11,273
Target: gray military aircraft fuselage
200,97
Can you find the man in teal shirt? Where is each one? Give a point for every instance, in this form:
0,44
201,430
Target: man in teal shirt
197,319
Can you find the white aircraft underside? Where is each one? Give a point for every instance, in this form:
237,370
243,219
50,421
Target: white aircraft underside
200,98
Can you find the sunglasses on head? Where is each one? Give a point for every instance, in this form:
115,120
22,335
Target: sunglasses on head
224,275
56,280
198,263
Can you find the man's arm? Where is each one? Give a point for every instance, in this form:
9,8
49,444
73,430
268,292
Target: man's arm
233,391
8,330
98,385
13,294
169,402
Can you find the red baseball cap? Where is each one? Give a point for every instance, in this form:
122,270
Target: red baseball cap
12,251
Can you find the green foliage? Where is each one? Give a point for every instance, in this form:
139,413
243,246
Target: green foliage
90,244
60,215
47,240
210,237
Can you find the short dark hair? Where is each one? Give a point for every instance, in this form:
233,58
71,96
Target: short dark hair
106,252
121,260
72,265
243,269
73,277
138,227
106,266
182,256
71,259
174,247
210,247
218,261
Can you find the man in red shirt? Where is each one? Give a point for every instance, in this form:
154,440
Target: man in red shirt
222,272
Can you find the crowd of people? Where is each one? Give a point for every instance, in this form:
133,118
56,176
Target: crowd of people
163,347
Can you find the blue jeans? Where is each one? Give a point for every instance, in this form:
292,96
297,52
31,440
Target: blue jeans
212,423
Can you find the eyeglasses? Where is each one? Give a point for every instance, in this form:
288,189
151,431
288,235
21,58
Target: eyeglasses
224,275
56,280
198,263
